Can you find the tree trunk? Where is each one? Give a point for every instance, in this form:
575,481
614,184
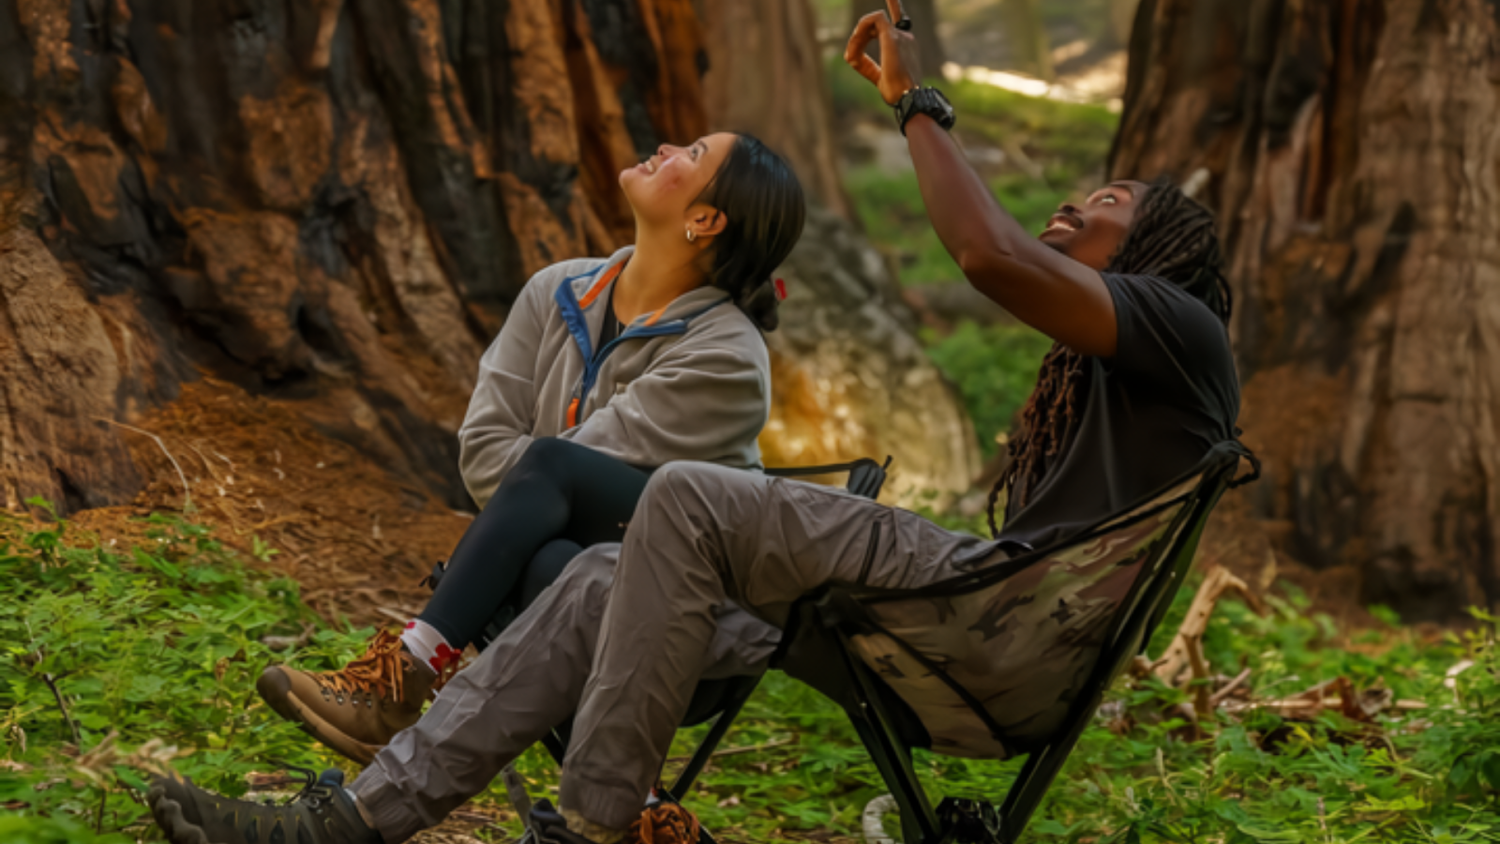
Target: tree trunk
765,76
924,20
328,203
850,377
1350,151
1121,18
1028,38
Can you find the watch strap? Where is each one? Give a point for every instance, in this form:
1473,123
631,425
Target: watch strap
928,101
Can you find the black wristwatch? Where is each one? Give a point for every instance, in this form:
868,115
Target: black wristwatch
928,101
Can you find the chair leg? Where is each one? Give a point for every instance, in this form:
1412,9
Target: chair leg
710,743
919,823
557,745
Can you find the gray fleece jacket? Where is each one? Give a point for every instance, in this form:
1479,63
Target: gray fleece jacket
690,382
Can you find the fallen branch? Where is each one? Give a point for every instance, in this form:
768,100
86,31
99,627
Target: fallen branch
735,751
61,704
1201,678
1179,654
1223,694
283,643
187,496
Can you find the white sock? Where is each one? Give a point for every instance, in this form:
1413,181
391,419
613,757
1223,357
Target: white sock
428,645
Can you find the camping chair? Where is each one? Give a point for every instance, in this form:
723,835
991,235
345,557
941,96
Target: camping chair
720,700
1008,659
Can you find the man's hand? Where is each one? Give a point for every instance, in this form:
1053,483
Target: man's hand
902,67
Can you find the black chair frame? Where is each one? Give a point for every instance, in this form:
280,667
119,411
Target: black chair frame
815,649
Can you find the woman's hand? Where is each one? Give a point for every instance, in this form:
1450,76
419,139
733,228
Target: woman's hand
902,67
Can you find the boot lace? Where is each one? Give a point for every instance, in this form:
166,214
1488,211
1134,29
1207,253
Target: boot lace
664,823
379,673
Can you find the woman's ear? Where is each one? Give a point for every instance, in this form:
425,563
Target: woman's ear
705,221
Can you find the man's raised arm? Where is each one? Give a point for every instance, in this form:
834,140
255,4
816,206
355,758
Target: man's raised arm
1044,288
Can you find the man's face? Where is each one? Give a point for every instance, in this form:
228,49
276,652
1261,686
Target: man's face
1091,233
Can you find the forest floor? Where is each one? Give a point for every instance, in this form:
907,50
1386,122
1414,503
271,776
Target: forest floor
357,538
134,642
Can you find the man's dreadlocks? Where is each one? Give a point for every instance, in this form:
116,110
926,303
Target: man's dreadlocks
1172,238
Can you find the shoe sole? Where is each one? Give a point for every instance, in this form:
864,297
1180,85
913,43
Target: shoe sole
275,689
168,815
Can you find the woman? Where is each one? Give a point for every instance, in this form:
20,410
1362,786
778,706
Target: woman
603,370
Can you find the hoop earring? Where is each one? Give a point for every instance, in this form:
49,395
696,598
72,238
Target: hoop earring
691,235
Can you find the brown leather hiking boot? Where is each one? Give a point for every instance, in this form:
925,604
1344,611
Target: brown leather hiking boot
357,710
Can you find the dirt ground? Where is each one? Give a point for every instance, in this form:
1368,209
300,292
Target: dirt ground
357,538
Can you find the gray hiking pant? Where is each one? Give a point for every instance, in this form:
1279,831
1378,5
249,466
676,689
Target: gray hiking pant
624,646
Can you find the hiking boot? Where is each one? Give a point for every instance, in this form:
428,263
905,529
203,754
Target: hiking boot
662,822
324,813
357,710
550,827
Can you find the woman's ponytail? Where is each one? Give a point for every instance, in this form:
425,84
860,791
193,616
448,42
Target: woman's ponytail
757,191
760,303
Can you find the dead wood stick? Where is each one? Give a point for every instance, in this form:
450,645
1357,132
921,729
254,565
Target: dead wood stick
1201,676
1220,696
61,704
187,496
1177,656
735,751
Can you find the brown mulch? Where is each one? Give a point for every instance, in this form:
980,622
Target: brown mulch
357,538
1241,543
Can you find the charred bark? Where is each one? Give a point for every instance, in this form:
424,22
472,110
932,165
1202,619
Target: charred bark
329,203
1350,149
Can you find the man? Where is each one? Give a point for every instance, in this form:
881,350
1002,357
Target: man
1140,385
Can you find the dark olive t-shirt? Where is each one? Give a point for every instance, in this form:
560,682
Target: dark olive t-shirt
1151,413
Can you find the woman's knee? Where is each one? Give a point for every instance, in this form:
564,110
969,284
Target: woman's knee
549,457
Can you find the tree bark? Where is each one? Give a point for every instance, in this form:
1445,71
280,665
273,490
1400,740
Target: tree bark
765,76
1028,37
1350,149
924,20
849,375
329,203
1121,18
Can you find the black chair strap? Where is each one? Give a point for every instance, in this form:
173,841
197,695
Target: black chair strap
866,477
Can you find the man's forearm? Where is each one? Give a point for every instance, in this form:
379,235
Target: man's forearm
973,227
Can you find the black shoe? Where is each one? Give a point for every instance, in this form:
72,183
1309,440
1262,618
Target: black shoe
324,813
548,826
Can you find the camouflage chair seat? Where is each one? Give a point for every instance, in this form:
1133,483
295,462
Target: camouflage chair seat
1012,658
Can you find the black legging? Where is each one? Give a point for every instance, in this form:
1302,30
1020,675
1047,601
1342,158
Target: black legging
560,497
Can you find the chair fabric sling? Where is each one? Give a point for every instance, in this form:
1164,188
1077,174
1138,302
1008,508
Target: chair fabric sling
1012,658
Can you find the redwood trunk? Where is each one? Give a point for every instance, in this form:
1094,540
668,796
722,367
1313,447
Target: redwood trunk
924,20
765,76
330,203
850,378
1350,149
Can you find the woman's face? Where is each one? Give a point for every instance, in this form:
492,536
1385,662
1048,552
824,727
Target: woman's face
662,189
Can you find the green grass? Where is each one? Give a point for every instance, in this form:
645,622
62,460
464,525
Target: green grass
157,646
994,367
895,218
152,648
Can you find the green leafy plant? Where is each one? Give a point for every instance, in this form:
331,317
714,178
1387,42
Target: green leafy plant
120,661
994,367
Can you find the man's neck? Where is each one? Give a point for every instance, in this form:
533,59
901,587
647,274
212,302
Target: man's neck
661,270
